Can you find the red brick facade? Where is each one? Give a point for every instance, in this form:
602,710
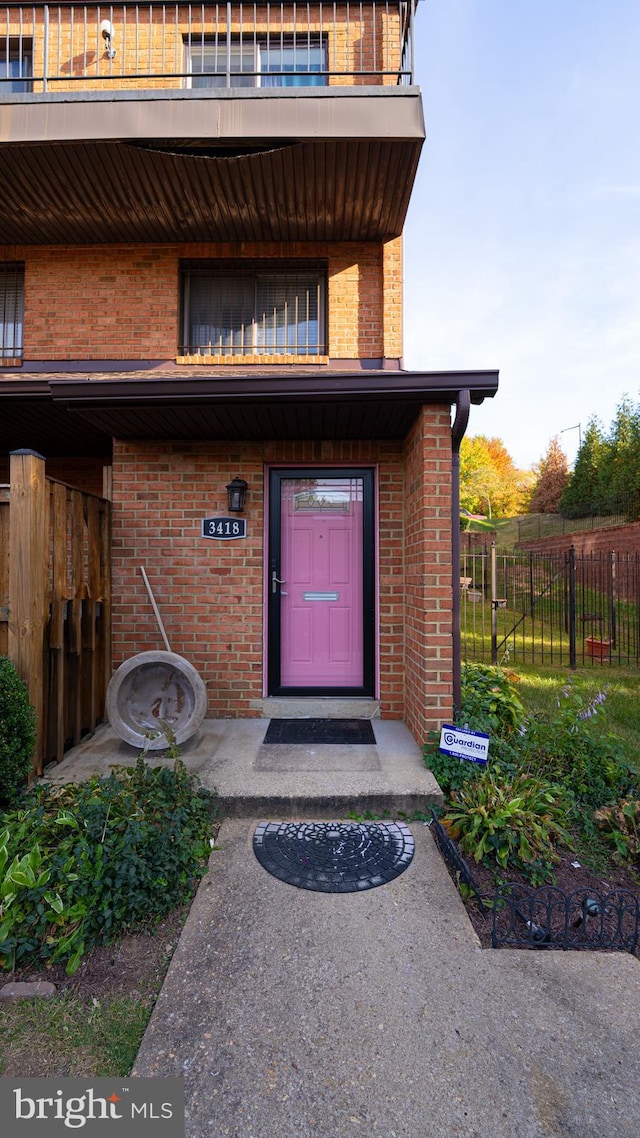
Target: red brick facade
108,308
620,539
427,572
122,302
210,594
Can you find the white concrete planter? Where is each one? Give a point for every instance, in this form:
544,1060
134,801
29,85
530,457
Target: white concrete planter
154,696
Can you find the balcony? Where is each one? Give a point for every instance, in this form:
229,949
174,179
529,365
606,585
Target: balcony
207,122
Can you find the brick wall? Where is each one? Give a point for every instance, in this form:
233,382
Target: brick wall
620,539
427,573
210,593
359,40
122,302
392,268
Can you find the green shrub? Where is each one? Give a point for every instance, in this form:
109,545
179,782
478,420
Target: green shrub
513,824
17,732
490,701
82,864
451,773
620,826
490,704
570,749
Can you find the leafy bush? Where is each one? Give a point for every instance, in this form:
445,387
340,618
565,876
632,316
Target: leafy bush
544,777
620,825
17,731
490,702
452,773
569,750
514,823
82,864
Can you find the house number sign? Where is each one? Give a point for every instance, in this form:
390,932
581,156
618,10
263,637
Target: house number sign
225,529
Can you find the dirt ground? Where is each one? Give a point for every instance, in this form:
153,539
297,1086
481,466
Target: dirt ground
135,966
567,876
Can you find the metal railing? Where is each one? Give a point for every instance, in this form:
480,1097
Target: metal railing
551,608
614,511
50,48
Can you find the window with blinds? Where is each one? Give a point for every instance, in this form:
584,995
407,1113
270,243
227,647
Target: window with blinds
253,312
16,57
11,310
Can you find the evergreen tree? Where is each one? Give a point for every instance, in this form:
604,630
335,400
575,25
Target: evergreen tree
619,474
583,490
553,475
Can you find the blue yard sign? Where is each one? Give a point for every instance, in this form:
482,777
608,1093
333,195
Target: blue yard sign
464,744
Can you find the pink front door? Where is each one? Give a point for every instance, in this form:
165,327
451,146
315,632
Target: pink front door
321,582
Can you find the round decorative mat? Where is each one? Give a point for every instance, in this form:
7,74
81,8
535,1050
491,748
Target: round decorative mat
334,857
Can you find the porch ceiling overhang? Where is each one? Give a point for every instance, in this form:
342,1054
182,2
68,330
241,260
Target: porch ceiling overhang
64,416
238,165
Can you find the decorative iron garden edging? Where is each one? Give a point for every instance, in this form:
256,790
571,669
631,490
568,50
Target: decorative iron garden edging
550,918
547,917
456,862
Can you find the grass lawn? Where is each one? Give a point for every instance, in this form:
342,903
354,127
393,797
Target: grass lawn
540,690
68,1036
94,1024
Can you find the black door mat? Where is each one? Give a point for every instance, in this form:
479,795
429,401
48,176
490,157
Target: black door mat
318,731
334,857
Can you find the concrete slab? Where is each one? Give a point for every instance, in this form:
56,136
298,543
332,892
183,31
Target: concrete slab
294,1014
227,755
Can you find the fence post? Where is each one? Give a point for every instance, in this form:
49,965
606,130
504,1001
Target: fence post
572,608
614,621
29,579
494,606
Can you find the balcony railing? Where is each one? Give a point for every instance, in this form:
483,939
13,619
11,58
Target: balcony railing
53,48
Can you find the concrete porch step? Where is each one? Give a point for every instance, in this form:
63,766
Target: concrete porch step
276,782
316,707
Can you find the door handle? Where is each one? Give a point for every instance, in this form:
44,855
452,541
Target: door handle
275,581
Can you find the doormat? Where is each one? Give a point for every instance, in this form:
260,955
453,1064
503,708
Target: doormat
319,731
334,857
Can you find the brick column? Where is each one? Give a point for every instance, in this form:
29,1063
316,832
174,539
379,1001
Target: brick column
427,562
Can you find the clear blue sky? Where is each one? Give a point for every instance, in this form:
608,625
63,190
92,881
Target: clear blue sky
522,245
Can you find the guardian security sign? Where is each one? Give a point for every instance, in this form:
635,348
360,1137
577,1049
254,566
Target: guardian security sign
464,744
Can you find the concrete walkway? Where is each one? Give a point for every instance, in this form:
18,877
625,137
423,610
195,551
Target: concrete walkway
294,1014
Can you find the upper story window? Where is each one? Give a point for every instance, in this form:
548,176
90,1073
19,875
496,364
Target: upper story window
270,62
11,310
15,65
253,311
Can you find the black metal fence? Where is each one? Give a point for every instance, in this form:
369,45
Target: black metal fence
618,510
551,608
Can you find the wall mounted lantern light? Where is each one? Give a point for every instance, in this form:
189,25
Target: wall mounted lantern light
236,494
106,28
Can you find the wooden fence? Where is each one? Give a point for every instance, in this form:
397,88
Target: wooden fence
55,594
